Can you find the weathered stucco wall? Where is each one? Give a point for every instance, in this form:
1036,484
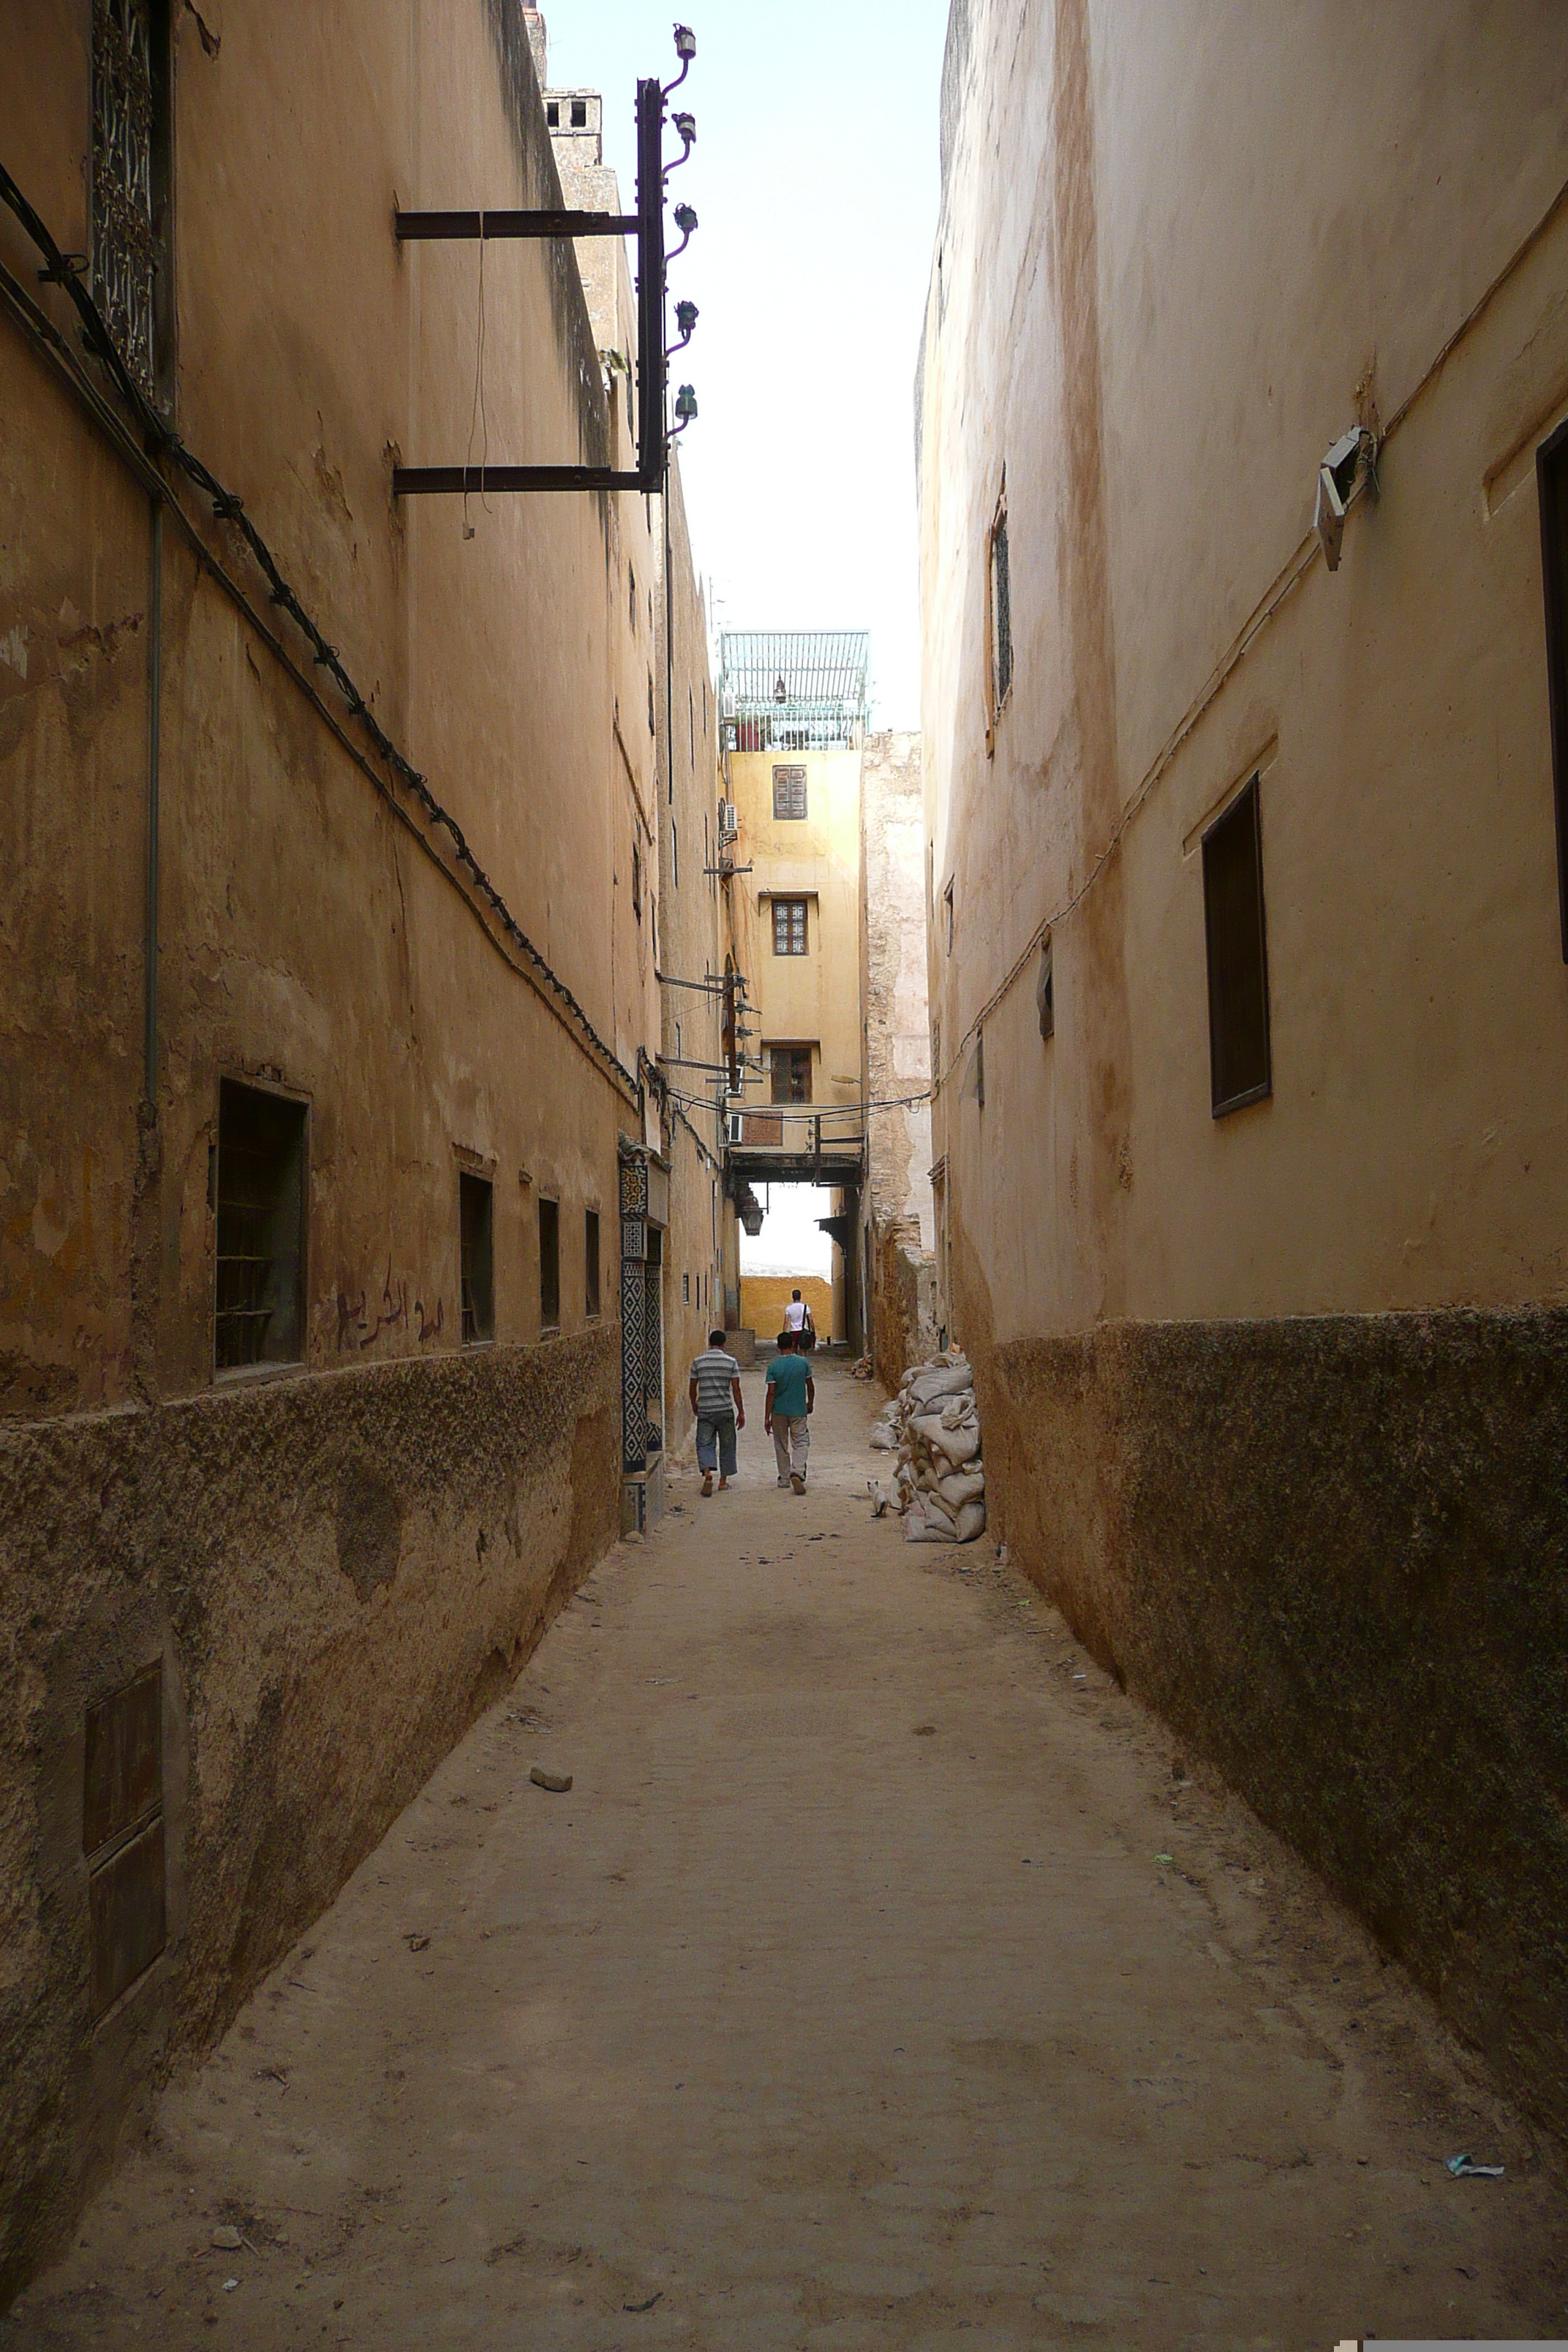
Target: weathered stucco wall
1333,1553
339,1561
1235,1368
896,1238
340,1573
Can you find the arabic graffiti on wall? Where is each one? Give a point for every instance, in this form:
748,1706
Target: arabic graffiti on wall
360,1325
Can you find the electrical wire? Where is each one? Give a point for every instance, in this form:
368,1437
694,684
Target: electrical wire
161,441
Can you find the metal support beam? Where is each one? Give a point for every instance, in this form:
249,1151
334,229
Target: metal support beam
415,481
420,227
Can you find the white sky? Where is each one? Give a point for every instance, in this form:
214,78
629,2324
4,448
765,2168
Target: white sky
790,1241
814,177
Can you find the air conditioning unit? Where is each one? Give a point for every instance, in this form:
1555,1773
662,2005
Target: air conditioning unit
729,828
735,1124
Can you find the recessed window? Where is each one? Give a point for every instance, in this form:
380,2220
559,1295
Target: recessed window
591,1257
1045,993
1000,611
1551,481
1238,955
122,1835
258,1315
674,855
789,793
636,881
790,1066
652,725
632,591
553,112
789,926
685,1290
549,1265
579,114
131,183
476,1211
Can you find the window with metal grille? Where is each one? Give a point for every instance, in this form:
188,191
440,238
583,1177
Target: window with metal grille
789,792
549,1265
1551,482
1001,611
476,1215
130,178
259,1298
1239,1068
789,926
791,1070
590,1252
122,1835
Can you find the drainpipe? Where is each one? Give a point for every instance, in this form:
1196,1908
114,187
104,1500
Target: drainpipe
154,700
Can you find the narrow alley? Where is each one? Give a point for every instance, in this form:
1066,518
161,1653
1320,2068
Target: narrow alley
882,1978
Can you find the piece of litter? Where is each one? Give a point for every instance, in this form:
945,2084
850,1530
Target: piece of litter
1465,2167
644,2306
417,1943
228,2238
229,2285
556,1782
1165,1857
924,1730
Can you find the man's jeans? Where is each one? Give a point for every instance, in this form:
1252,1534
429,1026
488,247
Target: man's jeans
716,1435
792,1441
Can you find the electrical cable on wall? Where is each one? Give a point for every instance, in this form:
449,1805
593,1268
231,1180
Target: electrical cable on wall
229,506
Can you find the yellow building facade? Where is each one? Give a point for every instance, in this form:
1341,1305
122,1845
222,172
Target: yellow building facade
793,705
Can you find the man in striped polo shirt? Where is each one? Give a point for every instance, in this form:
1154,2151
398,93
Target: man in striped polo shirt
715,1394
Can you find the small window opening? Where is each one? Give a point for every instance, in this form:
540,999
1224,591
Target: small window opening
632,591
579,114
1045,993
789,926
122,1835
789,793
674,855
652,727
591,1257
685,1290
549,1265
791,1071
476,1214
1552,483
553,112
1239,1068
259,1304
1000,611
636,881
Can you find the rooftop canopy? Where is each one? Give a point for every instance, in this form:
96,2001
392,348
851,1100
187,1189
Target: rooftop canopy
792,689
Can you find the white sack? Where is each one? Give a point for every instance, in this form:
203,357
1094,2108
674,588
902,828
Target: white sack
917,1530
972,1521
960,1486
956,1445
885,1437
927,1387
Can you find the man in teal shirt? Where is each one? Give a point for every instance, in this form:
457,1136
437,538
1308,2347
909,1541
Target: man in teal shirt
791,1398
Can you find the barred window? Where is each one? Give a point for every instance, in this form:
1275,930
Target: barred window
258,1316
789,792
130,156
789,926
1000,611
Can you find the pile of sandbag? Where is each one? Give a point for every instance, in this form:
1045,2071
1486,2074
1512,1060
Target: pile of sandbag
934,1427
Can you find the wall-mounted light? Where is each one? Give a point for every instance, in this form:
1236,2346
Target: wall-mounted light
1351,459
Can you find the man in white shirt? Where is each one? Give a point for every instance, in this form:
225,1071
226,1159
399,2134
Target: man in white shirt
797,1317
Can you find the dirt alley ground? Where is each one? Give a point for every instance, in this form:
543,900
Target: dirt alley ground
882,1981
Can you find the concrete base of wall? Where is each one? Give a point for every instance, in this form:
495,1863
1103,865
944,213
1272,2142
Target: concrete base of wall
1333,1554
338,1573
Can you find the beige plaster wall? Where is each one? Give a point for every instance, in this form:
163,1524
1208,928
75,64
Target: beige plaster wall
895,1229
1268,1398
342,1562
